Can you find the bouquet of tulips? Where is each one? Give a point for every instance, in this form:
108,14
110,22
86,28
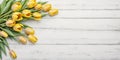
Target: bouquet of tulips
12,15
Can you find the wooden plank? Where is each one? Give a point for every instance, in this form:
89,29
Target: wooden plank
66,52
67,37
87,14
86,4
77,24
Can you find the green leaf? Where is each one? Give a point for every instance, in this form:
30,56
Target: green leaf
2,20
42,2
13,38
3,49
0,54
4,42
7,7
24,25
33,10
0,8
44,14
5,14
24,4
3,4
7,31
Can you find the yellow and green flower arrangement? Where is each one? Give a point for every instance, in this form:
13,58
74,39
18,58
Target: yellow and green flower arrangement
12,15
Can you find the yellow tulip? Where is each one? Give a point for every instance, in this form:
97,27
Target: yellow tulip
18,27
31,3
10,23
17,16
26,13
16,6
38,7
22,39
29,31
53,12
12,54
33,39
3,34
37,15
46,7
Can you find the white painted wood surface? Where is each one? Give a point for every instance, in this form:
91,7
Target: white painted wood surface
83,30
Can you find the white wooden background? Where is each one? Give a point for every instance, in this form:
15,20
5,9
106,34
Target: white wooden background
83,30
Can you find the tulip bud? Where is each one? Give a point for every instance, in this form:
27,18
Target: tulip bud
38,7
33,39
53,12
3,34
37,15
31,3
26,13
10,23
17,16
12,54
18,27
22,39
46,7
29,31
16,6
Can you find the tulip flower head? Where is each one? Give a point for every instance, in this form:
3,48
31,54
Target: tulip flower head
10,23
46,7
26,13
31,3
22,39
33,39
37,15
16,6
18,27
3,34
12,54
17,16
53,12
38,7
29,31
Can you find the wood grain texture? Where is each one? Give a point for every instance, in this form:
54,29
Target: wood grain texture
76,37
86,4
77,24
87,14
83,30
67,52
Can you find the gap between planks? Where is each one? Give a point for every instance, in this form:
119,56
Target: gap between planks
56,37
67,52
76,24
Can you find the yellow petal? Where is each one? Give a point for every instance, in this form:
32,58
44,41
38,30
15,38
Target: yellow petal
22,39
38,7
29,31
12,54
53,12
46,7
10,23
33,39
3,34
16,6
26,13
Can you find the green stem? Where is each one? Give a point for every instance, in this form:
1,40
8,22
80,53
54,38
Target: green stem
2,20
3,25
42,2
6,14
44,14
